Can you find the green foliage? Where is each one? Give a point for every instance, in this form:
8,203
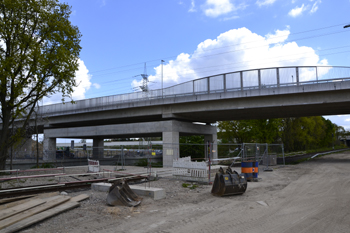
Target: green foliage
185,185
39,52
44,165
144,163
192,146
297,134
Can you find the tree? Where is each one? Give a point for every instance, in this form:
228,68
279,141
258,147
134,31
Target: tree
39,52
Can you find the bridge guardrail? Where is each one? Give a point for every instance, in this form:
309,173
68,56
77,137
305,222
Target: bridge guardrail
228,82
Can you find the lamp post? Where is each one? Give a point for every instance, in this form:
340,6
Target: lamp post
346,26
162,76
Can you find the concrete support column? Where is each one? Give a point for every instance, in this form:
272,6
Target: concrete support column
97,148
171,148
212,138
49,145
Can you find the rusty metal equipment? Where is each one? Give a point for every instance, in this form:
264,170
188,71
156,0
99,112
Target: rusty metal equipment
228,183
121,194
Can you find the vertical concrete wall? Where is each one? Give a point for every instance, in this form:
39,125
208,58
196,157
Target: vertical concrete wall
49,148
97,148
171,149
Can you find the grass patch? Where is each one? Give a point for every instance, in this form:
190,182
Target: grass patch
144,163
190,186
44,165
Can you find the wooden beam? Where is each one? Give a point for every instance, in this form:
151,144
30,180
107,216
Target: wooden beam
31,197
11,199
50,202
19,208
80,197
40,216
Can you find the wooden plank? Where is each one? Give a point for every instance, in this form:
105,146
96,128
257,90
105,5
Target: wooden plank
41,195
40,216
19,208
11,199
80,197
51,202
29,188
33,176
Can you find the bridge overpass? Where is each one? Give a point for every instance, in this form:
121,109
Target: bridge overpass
249,94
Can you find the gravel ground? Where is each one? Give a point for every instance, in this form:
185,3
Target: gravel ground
310,197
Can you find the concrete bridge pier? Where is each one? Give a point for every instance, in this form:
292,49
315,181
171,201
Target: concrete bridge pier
171,135
49,145
97,148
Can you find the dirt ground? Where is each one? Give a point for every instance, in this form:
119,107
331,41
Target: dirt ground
310,197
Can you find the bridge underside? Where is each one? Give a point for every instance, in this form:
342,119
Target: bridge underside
168,130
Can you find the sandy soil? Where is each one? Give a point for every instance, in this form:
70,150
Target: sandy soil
310,197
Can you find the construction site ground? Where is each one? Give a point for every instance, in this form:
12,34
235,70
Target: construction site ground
313,196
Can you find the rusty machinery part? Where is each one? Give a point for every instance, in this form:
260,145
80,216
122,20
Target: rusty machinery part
229,183
121,194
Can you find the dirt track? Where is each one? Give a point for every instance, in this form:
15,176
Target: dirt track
310,197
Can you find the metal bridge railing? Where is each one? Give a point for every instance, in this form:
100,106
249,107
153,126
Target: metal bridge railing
228,82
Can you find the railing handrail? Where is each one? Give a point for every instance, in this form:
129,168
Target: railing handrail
162,93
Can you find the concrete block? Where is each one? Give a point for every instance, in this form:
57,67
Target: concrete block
101,187
155,193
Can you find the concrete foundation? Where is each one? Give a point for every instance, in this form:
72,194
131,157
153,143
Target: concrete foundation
155,193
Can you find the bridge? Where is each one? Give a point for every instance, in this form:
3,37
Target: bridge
170,112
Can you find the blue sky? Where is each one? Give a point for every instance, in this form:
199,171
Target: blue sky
118,37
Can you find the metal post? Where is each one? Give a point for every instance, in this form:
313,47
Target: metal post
208,83
193,86
284,162
241,76
316,75
297,74
259,79
278,77
209,162
224,82
162,76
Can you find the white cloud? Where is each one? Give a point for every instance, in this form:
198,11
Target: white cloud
193,5
348,119
265,2
236,49
297,11
215,8
315,6
96,85
82,78
278,37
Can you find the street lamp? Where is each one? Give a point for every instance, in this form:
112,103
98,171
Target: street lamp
346,26
162,76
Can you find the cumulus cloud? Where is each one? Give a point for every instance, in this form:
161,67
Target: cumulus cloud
297,11
215,8
265,2
82,78
236,49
